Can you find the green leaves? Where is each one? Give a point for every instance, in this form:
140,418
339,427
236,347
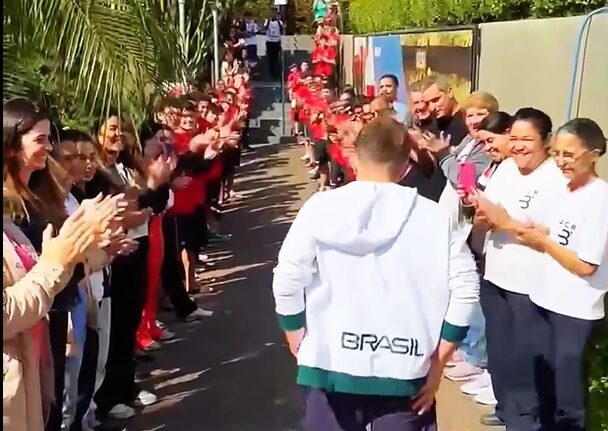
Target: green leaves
368,16
597,372
89,54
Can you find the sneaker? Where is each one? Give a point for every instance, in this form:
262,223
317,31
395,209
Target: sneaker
462,372
491,420
145,398
198,314
477,384
313,171
152,346
203,257
305,159
160,324
166,335
486,397
121,411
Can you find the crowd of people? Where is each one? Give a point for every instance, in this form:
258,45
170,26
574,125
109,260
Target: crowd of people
99,230
526,197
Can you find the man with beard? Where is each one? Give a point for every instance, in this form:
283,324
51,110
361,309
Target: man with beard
439,95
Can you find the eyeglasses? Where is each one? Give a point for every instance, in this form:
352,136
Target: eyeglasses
568,157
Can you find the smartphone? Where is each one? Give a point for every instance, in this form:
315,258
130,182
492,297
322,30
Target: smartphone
466,177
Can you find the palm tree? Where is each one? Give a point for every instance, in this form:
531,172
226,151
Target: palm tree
80,57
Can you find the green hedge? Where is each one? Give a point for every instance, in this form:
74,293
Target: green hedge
597,370
366,16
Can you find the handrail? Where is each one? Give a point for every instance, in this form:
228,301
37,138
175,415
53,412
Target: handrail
577,54
283,125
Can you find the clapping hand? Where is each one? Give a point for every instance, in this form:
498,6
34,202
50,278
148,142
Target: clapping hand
81,230
159,171
434,144
533,236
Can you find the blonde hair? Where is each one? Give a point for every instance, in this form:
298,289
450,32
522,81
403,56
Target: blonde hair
481,100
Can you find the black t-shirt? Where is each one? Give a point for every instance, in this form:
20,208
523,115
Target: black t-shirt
429,184
454,126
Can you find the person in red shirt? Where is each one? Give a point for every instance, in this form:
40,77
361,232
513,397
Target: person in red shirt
187,128
190,200
318,126
324,58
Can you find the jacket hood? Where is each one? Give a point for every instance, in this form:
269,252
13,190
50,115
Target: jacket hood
362,217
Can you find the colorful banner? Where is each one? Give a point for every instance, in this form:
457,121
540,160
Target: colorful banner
449,52
387,59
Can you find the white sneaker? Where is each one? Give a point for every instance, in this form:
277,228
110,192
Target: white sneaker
486,397
477,384
160,324
462,372
198,314
145,398
167,335
313,171
121,411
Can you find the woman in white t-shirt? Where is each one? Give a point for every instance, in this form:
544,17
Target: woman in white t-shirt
573,240
512,270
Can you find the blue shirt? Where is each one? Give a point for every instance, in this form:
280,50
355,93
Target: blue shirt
401,110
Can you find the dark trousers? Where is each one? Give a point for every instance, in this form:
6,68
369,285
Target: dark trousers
346,412
86,378
172,271
58,331
513,355
273,52
128,286
562,387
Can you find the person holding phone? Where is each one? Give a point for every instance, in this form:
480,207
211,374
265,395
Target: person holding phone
512,270
572,239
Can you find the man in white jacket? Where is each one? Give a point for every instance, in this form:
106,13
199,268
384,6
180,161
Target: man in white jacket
374,289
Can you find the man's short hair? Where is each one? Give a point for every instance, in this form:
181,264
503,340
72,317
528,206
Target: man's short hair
382,141
481,100
442,82
416,87
391,77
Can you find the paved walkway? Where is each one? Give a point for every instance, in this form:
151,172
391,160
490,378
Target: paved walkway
232,371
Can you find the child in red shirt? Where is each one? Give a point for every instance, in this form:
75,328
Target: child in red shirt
323,58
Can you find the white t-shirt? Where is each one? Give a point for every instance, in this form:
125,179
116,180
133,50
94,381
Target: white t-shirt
509,265
273,31
251,29
95,279
577,220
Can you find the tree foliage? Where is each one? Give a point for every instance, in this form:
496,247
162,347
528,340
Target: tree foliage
367,16
81,57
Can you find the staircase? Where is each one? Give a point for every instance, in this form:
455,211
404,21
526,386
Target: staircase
269,120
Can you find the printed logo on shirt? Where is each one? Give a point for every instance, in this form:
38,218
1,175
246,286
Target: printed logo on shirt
567,229
524,202
373,342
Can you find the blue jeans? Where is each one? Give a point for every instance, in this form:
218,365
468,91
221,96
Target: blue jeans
474,345
78,315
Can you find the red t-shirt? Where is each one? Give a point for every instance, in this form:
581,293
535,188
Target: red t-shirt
319,55
181,142
188,198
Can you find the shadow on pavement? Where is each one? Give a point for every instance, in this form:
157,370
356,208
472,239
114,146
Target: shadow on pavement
232,371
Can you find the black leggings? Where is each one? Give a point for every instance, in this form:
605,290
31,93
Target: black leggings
58,329
172,271
128,286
